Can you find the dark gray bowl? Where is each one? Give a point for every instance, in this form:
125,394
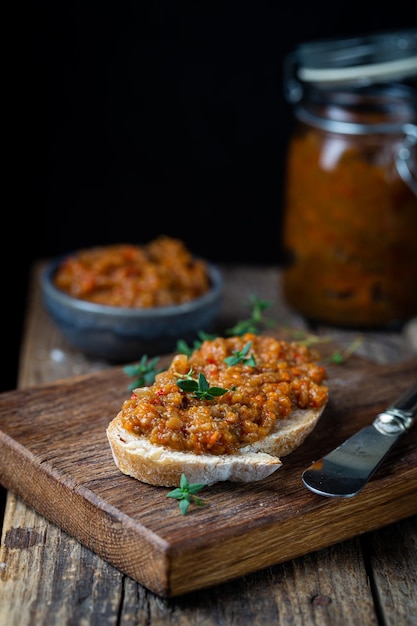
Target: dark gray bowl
123,335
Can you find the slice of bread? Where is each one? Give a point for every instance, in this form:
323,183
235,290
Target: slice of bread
156,465
272,396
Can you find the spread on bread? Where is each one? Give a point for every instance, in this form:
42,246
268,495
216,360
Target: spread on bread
160,273
283,378
270,394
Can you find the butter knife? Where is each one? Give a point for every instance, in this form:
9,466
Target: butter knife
346,470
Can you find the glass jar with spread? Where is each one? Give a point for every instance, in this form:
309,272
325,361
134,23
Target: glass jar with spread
350,196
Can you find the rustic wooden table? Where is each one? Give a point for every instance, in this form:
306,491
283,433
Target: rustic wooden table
48,578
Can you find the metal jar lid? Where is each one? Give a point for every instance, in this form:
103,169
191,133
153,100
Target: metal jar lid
354,62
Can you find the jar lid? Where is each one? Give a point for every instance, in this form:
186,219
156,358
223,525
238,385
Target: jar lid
354,61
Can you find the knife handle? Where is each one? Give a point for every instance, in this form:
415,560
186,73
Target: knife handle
400,415
408,401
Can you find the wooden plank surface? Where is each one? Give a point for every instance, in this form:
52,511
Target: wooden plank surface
54,454
50,578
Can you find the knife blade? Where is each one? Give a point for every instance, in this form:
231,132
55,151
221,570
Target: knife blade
344,471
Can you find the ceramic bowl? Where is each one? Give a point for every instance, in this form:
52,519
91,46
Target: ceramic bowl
121,334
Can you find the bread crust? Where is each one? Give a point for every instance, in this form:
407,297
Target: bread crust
136,456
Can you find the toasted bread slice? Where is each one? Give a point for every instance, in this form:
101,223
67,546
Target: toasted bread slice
136,456
267,397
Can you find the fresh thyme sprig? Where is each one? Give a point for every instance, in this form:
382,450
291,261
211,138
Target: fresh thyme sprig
184,348
240,356
200,388
185,493
256,321
304,338
143,372
340,356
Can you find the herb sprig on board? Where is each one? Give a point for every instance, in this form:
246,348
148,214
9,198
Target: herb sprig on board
143,372
338,357
185,493
257,320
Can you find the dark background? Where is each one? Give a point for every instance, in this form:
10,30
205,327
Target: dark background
142,118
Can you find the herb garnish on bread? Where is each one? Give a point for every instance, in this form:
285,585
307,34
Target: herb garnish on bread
228,411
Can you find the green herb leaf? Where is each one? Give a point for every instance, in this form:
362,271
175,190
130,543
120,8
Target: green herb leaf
202,382
194,488
256,321
240,356
184,506
200,388
188,385
185,494
175,493
338,357
143,372
215,391
183,348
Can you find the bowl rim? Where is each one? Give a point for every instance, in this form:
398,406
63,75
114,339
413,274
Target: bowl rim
208,298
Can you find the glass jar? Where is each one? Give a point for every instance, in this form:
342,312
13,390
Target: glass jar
350,197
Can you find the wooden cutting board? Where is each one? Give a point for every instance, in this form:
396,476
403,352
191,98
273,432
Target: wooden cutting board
54,455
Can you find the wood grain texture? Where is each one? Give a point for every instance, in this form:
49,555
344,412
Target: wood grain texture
55,456
394,570
48,577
